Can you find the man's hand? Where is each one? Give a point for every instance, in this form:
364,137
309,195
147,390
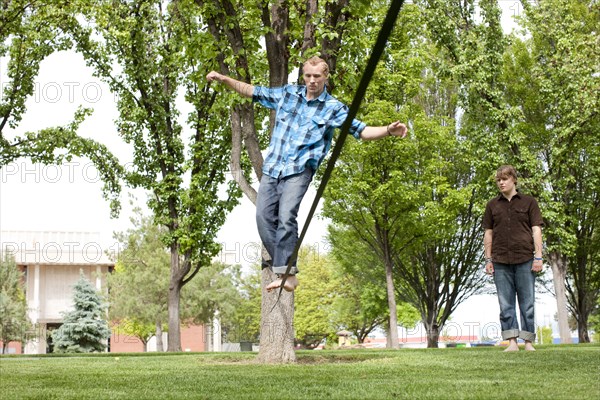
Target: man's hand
214,76
397,129
537,265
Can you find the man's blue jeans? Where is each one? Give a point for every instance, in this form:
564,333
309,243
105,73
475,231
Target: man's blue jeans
516,281
277,208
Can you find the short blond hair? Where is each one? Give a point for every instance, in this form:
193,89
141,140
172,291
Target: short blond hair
314,60
506,171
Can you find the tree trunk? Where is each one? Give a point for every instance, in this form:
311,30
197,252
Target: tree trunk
392,341
277,40
160,347
336,15
276,324
433,336
388,340
582,332
584,300
559,273
174,334
310,28
431,328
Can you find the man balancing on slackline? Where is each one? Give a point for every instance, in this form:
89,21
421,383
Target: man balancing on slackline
306,117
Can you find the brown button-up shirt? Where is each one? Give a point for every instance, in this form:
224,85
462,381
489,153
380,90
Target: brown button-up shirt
511,223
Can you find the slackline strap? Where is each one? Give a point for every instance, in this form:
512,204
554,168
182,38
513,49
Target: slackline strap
384,33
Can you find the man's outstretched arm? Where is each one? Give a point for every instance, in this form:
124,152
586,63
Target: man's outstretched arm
378,132
242,88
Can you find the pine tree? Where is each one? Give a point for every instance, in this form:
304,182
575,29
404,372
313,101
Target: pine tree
85,329
14,322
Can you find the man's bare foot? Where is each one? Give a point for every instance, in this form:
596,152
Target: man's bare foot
529,346
512,345
290,284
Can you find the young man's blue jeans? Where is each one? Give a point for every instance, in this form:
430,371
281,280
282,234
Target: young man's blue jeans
277,208
516,281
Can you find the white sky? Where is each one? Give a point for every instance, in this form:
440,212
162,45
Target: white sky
68,198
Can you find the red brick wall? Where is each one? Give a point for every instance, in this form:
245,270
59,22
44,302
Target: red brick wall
13,348
121,343
192,339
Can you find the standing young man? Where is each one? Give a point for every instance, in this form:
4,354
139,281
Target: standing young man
513,255
306,117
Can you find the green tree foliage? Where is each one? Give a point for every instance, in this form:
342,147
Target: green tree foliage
544,335
470,41
243,325
213,292
361,302
153,56
137,329
419,217
335,297
313,319
138,286
84,329
14,322
29,32
361,306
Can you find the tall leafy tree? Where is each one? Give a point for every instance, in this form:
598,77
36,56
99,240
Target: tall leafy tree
152,53
471,43
413,202
420,226
29,32
14,322
84,329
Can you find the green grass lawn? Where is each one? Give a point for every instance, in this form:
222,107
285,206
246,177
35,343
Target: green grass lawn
552,372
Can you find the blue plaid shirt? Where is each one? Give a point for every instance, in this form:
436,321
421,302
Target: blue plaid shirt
303,128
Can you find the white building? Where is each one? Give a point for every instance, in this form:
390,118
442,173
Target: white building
52,263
